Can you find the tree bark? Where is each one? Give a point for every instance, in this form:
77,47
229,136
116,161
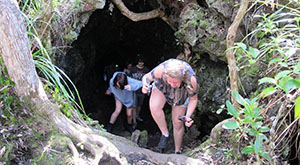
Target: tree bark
137,16
16,54
230,38
17,57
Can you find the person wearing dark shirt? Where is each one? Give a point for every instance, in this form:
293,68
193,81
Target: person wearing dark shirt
137,72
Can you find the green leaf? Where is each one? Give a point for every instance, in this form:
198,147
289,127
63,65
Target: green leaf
297,67
264,129
12,118
265,155
69,113
254,52
248,150
231,125
297,108
9,100
283,64
256,112
252,132
258,143
267,80
253,101
252,61
283,81
290,84
239,98
248,118
219,111
268,91
242,45
258,124
231,110
282,74
264,137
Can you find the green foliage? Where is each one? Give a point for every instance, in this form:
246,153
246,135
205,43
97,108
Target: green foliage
56,81
297,108
284,42
281,81
276,46
194,19
8,101
279,41
228,153
246,56
249,123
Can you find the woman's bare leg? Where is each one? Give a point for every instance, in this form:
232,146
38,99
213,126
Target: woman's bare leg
117,111
129,115
178,128
156,103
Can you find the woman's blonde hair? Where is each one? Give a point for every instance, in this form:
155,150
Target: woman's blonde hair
174,68
178,69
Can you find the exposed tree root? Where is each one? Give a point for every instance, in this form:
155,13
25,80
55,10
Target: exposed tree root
98,146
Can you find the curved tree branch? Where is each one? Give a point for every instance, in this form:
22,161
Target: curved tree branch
231,35
137,16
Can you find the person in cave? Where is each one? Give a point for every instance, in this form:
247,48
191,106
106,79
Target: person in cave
175,83
123,88
128,68
137,72
109,70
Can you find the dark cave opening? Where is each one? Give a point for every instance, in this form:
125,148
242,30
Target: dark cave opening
111,38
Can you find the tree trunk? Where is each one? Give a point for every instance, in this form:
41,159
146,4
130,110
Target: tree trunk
16,54
231,35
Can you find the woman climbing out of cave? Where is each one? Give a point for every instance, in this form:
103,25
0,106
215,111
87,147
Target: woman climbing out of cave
123,88
175,83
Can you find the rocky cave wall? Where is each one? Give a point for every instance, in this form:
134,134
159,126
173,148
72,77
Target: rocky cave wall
108,38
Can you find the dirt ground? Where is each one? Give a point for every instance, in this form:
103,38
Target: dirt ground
17,147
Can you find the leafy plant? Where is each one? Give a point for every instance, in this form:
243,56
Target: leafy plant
246,55
56,81
248,121
281,49
8,101
274,46
228,153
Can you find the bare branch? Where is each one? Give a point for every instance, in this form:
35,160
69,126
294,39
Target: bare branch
231,35
137,16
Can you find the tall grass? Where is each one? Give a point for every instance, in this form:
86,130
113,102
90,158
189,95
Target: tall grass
56,81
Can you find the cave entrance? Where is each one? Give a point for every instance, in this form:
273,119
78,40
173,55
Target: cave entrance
111,38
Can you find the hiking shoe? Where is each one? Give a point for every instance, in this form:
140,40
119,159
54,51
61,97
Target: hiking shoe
108,127
139,118
163,142
130,128
134,125
178,152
